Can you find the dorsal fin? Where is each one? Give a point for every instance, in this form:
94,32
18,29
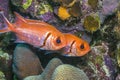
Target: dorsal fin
32,21
19,19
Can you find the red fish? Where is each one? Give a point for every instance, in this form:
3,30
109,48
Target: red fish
75,46
36,33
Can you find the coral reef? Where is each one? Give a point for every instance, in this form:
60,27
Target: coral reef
62,13
2,76
116,32
108,8
4,7
118,54
6,60
55,70
116,29
25,62
118,77
100,64
37,9
91,23
96,21
93,3
68,72
55,62
48,71
75,10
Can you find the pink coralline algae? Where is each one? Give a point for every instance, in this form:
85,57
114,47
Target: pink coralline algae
101,65
109,7
46,17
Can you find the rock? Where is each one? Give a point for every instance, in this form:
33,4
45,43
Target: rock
25,62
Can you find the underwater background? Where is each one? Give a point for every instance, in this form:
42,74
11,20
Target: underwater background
95,21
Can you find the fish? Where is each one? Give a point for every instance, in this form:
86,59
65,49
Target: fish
75,46
35,32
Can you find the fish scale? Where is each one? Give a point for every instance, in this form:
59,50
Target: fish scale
45,36
35,32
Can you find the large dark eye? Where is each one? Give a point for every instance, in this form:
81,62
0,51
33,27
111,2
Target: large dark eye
82,46
58,40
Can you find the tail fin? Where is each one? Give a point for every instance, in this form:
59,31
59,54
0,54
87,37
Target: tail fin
10,26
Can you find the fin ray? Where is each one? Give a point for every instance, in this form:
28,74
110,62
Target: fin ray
10,26
19,19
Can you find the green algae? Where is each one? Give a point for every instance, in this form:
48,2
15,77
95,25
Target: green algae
27,4
117,31
98,60
92,23
44,8
118,54
4,55
2,76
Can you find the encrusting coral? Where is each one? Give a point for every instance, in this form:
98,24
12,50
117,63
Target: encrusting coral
63,13
92,22
68,72
47,73
56,70
25,62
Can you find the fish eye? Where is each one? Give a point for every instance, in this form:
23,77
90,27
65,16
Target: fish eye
58,40
82,46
